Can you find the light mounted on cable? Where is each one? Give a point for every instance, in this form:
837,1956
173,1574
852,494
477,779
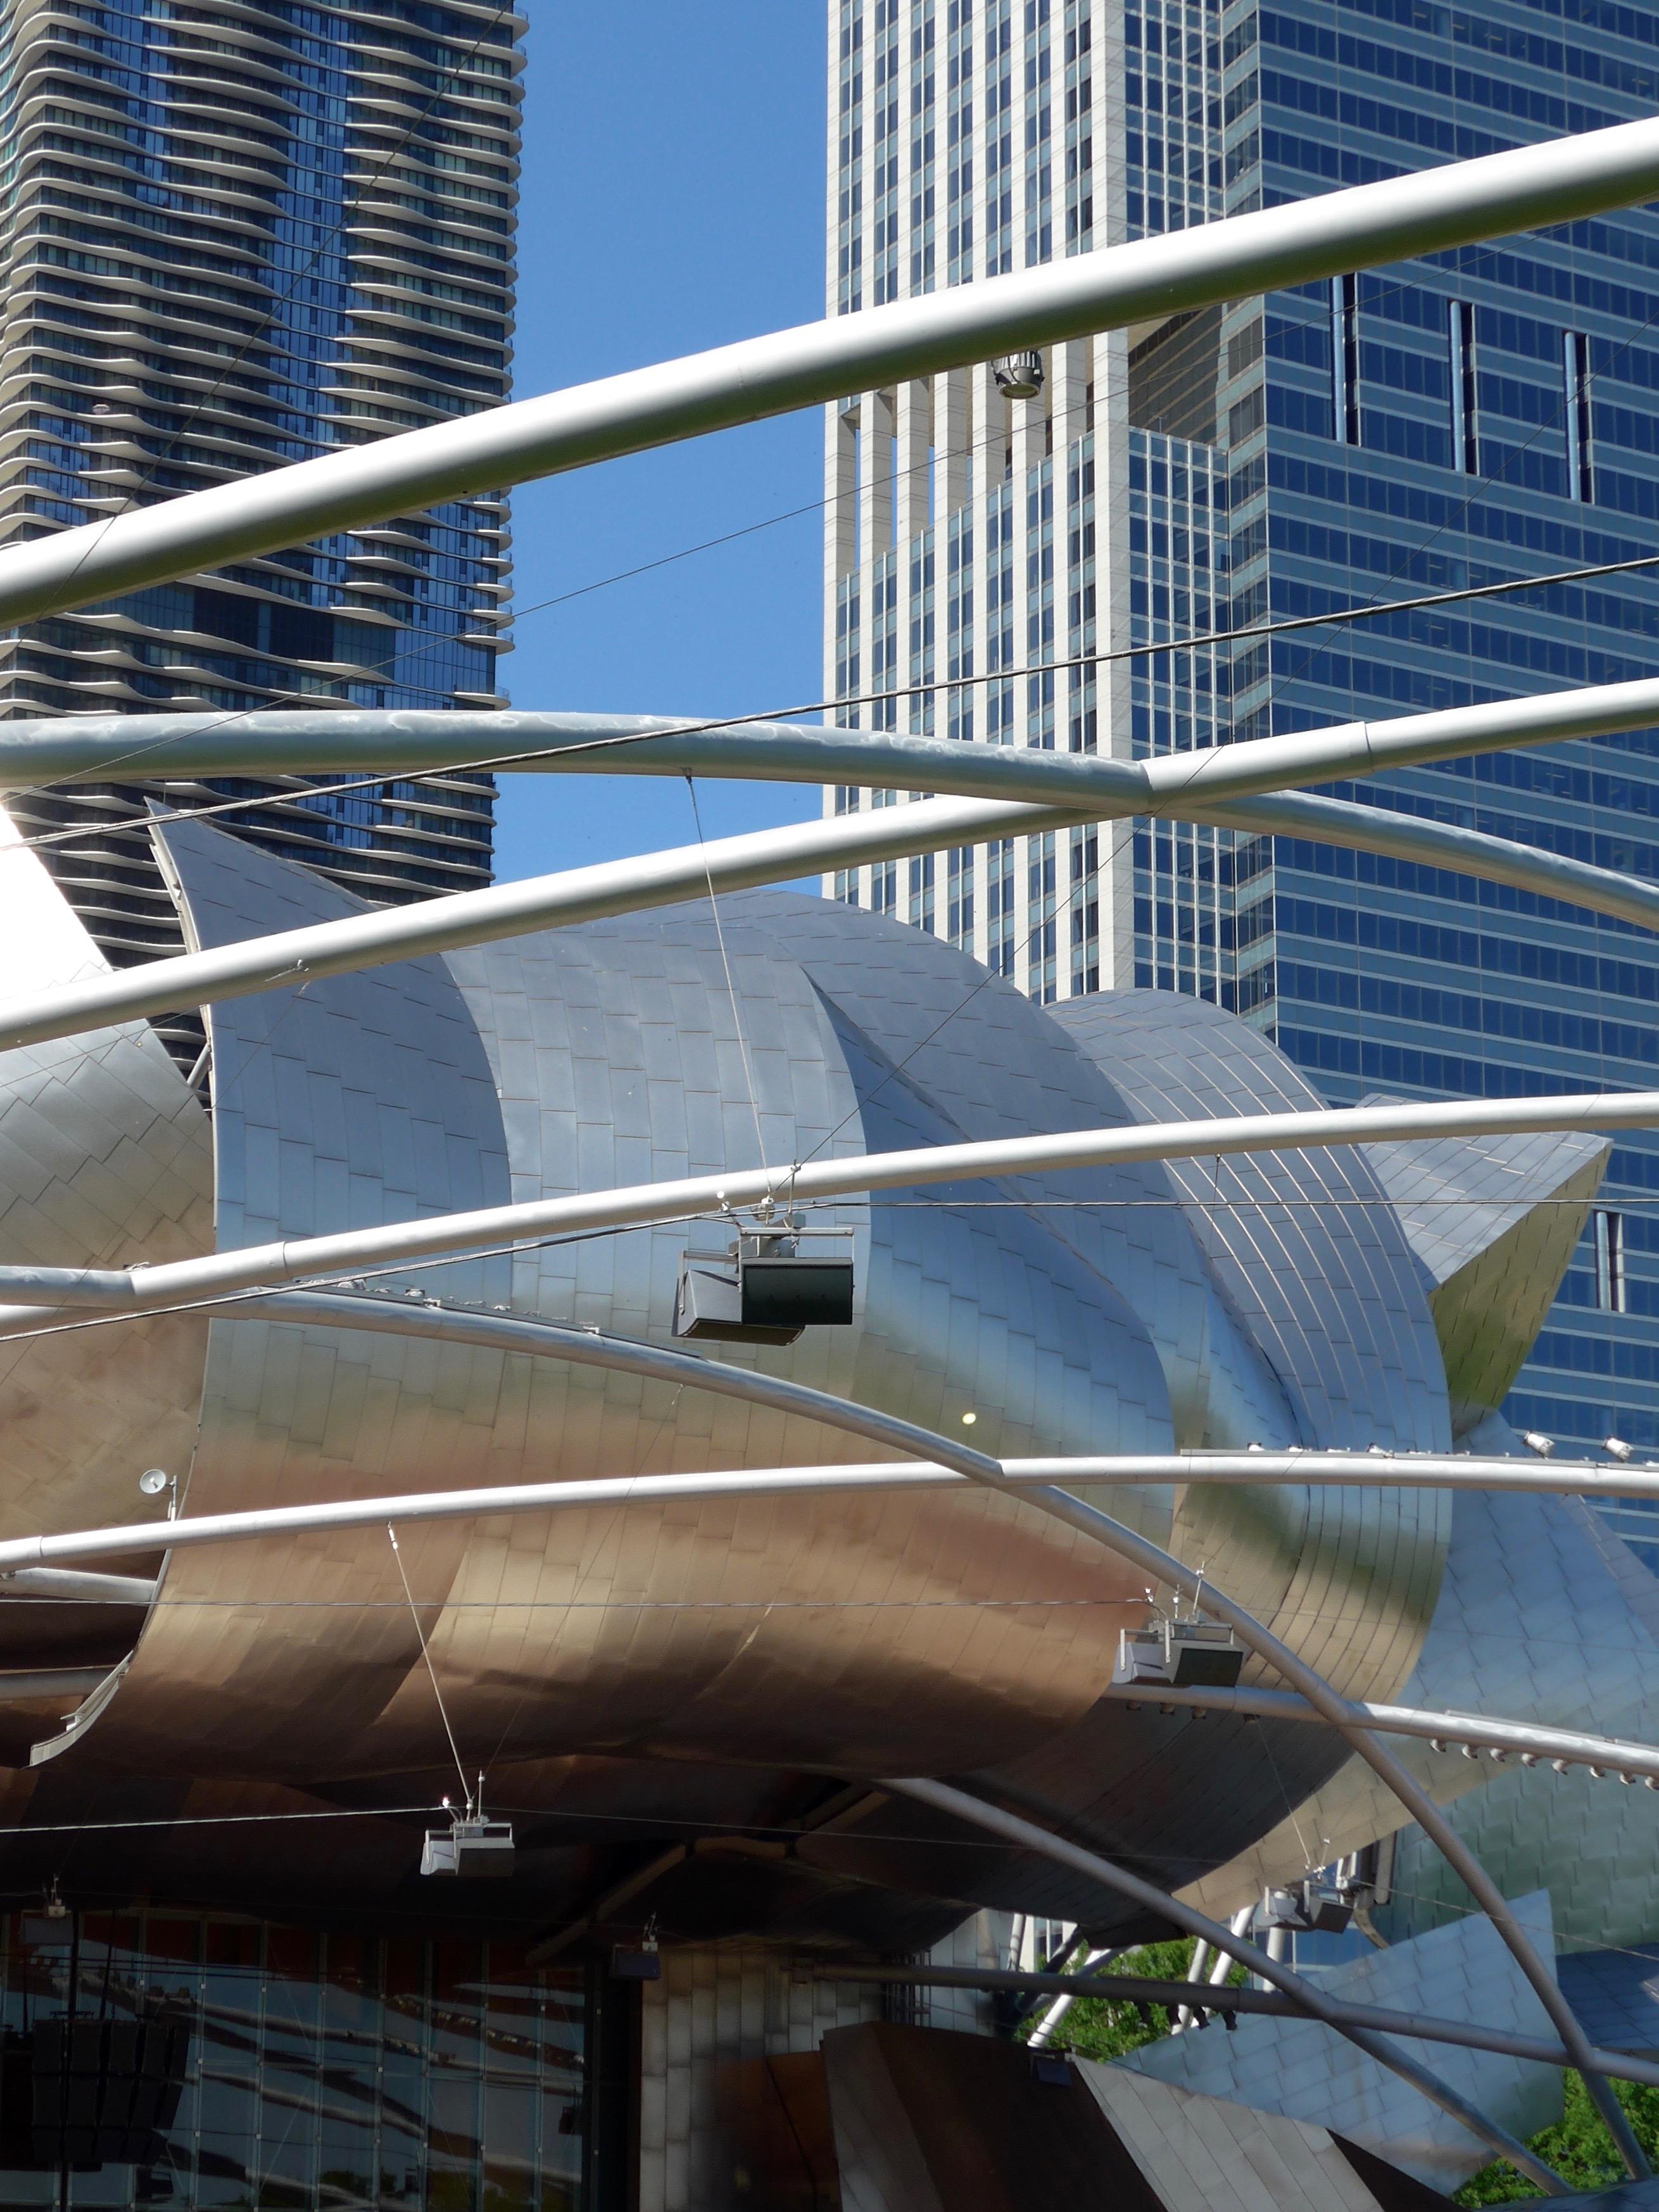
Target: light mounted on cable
771,1282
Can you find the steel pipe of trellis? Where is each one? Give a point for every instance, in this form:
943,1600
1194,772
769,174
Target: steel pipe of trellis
998,785
1307,1997
65,1548
936,1461
1473,1732
1616,2065
790,1183
317,741
1531,186
484,917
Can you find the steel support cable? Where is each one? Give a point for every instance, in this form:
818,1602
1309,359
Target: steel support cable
120,1292
1218,1997
1393,220
1407,1792
1306,1996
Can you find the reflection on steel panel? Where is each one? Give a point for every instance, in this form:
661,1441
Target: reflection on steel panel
104,1156
1494,1220
1307,2072
1310,1254
721,1660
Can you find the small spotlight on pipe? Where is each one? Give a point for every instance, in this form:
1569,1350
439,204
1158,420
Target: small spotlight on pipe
1018,375
1542,1445
1616,1448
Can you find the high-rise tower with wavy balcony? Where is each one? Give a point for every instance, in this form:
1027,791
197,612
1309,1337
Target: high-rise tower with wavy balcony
233,235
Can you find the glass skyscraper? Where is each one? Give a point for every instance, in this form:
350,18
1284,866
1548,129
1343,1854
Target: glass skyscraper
1476,416
236,236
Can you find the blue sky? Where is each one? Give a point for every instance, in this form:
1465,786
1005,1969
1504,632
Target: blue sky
673,199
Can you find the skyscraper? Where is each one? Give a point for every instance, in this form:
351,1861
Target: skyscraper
1477,416
236,236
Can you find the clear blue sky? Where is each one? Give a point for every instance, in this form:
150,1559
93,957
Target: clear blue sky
673,199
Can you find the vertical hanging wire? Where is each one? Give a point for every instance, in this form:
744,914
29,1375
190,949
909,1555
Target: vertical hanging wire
731,988
443,1711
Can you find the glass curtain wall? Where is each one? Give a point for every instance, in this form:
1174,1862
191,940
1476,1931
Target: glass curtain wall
1479,416
166,2059
1474,416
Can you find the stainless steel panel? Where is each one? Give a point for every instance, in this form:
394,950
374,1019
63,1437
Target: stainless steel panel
105,1156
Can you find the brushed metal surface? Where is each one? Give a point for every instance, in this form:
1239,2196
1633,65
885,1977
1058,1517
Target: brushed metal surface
696,1659
105,1154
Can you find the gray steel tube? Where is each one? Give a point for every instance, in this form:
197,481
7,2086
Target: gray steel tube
1559,181
1437,845
1179,788
1021,1476
191,1531
951,1462
1526,1740
169,1283
1342,1716
312,741
1225,784
92,1589
622,1355
369,941
1305,1995
1616,2065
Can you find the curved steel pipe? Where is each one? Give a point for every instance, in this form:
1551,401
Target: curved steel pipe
142,1289
941,1461
1179,788
1556,182
1212,1996
68,1546
1305,1995
1442,845
1387,1472
620,1355
1524,1740
312,741
1337,1710
445,925
1226,785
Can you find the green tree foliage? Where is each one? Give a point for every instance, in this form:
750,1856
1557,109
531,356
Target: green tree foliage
1578,2147
1107,2027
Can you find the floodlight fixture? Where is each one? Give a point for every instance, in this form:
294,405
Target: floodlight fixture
1018,375
1181,1655
768,1285
471,1848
